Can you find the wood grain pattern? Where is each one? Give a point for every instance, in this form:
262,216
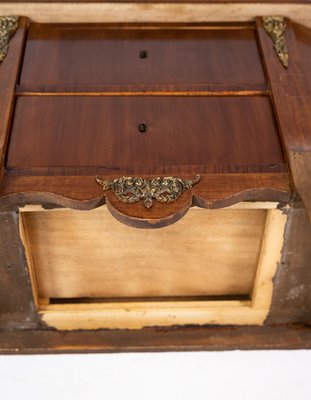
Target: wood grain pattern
81,192
157,339
155,12
103,131
291,92
17,307
90,254
113,56
292,283
139,314
9,69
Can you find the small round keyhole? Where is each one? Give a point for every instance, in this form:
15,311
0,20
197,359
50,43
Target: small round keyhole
142,127
143,54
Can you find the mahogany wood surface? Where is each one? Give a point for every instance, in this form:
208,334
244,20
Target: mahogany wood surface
116,55
103,131
291,93
82,192
9,69
204,115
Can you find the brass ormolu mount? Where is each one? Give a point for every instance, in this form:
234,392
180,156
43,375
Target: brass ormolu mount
8,26
275,27
132,189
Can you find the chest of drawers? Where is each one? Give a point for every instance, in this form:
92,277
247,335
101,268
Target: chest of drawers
155,189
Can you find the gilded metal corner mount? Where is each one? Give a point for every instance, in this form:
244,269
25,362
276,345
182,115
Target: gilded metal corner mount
8,25
131,189
275,27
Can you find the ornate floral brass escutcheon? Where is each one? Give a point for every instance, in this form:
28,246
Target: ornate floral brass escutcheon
131,189
275,27
8,26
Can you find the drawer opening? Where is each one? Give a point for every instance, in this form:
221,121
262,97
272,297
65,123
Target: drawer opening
86,262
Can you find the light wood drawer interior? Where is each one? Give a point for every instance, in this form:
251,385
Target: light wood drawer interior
210,257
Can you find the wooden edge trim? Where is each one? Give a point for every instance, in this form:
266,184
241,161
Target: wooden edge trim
291,96
9,70
269,259
83,193
30,262
155,339
153,12
141,315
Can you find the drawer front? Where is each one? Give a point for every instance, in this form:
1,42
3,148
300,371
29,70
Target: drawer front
75,54
180,131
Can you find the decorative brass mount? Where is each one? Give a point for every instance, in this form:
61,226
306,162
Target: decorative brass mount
275,27
131,189
8,26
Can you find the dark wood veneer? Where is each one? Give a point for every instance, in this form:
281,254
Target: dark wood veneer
145,56
103,131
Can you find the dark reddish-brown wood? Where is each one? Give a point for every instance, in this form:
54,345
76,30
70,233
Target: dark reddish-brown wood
291,93
202,132
9,69
82,192
119,55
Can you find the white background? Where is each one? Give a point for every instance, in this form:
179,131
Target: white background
251,375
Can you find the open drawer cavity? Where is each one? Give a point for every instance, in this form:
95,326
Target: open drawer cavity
212,267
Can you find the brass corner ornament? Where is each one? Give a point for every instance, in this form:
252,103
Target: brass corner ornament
8,25
164,190
275,27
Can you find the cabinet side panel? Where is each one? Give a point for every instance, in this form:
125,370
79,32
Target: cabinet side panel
17,308
291,93
291,301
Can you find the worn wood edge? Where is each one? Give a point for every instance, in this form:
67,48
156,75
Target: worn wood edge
300,165
30,263
244,205
154,12
212,338
297,148
269,259
141,315
138,315
291,301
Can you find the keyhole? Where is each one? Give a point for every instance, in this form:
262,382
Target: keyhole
143,54
142,127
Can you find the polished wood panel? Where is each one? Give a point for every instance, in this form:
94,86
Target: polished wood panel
9,70
183,131
119,56
83,193
291,93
